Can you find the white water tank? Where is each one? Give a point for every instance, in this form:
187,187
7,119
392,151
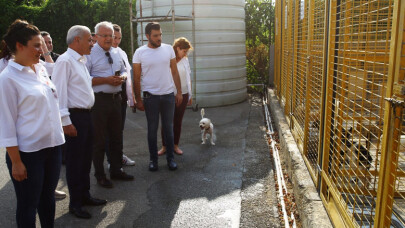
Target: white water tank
219,46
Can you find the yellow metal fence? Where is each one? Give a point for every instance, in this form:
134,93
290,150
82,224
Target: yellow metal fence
339,75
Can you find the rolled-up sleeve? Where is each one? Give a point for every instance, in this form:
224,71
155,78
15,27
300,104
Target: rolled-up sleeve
8,113
60,79
123,69
49,67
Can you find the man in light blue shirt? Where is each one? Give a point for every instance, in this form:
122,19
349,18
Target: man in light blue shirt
108,72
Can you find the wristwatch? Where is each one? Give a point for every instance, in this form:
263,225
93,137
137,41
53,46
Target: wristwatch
47,53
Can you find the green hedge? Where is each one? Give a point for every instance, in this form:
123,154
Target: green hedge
57,16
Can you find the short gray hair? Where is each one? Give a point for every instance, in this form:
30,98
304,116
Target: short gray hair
106,24
76,30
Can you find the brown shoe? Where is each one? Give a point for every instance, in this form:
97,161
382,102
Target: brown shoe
162,151
177,150
104,182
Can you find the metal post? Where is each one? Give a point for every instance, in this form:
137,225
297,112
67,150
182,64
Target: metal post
323,96
194,60
173,21
392,123
140,14
130,26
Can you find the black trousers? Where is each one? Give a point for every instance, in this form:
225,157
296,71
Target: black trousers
124,115
107,121
37,192
78,158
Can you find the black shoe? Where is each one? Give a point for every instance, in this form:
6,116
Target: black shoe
153,166
104,182
94,201
80,213
121,176
172,165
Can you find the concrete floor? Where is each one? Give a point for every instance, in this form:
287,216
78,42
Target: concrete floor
226,185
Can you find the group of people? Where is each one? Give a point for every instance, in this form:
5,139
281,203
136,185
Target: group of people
78,101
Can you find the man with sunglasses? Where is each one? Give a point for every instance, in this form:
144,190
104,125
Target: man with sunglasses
108,72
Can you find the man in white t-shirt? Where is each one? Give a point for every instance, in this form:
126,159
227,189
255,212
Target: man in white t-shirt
157,64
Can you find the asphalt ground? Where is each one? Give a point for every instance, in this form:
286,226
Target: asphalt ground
226,185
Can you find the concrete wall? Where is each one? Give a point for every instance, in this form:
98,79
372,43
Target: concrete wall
310,206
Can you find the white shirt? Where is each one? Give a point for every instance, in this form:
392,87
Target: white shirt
73,83
3,64
29,116
129,79
156,77
48,66
98,66
183,66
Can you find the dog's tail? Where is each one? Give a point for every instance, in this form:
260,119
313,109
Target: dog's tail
202,113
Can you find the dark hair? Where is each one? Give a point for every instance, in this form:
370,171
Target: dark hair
4,51
19,31
45,33
117,28
151,26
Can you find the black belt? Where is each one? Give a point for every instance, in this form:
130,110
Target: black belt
113,95
79,110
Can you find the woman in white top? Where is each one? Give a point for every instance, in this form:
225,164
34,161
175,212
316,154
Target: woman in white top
181,47
31,128
5,56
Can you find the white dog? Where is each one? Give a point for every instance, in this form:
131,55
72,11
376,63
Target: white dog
207,128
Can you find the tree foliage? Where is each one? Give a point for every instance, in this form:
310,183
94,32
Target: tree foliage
57,16
259,16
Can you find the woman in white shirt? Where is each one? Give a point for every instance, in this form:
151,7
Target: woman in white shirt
181,47
5,56
31,128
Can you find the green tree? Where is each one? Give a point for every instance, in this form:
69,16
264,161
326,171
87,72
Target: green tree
57,16
259,16
30,2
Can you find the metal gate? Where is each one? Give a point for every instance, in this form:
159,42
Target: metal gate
340,83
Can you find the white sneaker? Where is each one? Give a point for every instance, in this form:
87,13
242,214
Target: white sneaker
127,161
60,194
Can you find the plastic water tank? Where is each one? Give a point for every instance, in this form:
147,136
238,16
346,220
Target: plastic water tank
219,46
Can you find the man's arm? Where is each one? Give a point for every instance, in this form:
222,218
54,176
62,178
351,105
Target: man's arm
129,87
112,80
176,79
137,85
62,69
130,92
46,53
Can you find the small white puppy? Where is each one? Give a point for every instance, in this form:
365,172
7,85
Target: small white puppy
207,128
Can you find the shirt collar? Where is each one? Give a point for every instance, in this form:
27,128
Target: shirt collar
17,66
101,49
77,56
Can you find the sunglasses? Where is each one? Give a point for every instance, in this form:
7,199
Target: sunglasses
110,60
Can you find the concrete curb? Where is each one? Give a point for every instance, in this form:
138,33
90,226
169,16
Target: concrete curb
310,206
